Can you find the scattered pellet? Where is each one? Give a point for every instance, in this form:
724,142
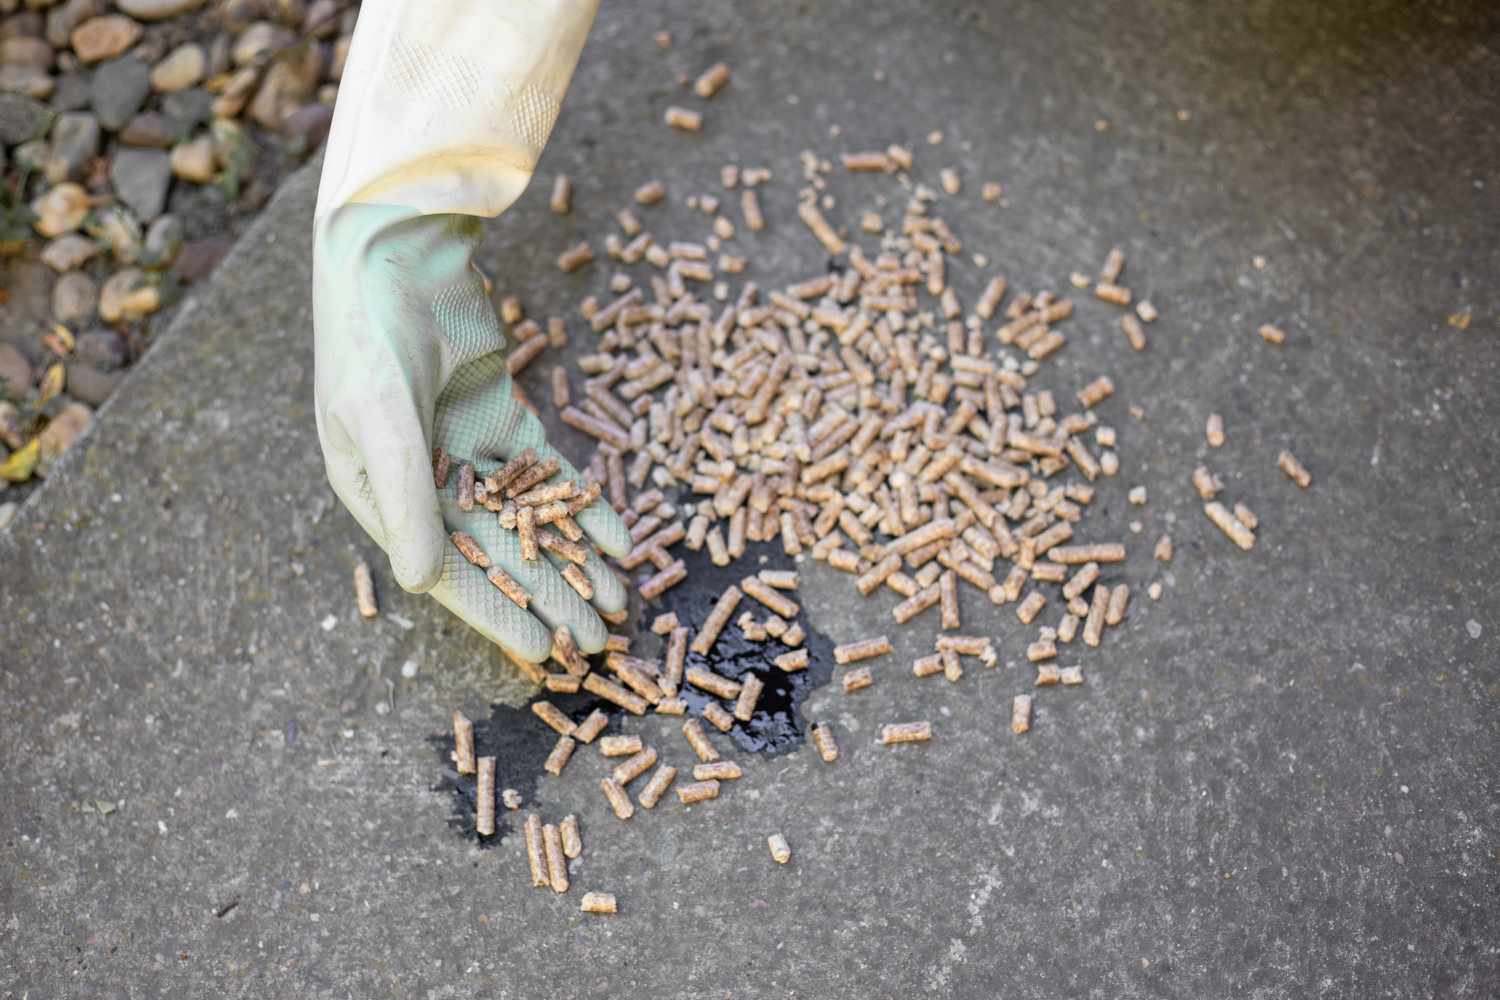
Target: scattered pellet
1093,625
1070,676
558,758
562,195
715,622
1119,600
723,770
1214,430
1272,334
905,732
599,902
591,727
750,691
364,591
711,80
698,791
575,257
511,798
864,649
442,463
536,854
715,684
1020,714
463,743
663,624
793,661
620,746
657,786
683,119
1163,551
618,800
926,666
1102,552
781,853
718,717
828,748
557,864
1114,294
858,679
484,815
1096,391
650,193
1246,516
657,585
607,689
508,586
1295,470
632,768
1230,525
554,717
572,842
815,221
692,730
1031,606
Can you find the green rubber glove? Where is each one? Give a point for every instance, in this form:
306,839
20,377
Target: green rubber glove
410,357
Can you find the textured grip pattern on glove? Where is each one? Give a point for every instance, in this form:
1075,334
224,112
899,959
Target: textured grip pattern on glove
432,75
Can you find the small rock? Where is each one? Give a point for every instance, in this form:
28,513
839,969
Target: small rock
102,348
308,125
163,241
75,141
339,57
141,178
309,68
128,295
15,370
65,429
22,118
260,37
119,88
105,37
62,19
321,19
90,385
74,297
33,155
236,92
231,148
71,93
68,252
24,80
274,100
218,54
120,230
183,67
156,10
199,257
32,52
187,109
10,425
194,161
148,129
60,210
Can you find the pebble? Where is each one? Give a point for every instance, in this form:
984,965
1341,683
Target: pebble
194,160
119,87
30,52
70,251
90,385
101,38
62,19
128,295
118,228
33,155
1474,629
60,210
22,118
141,178
74,297
182,68
155,10
75,141
274,100
71,93
258,38
10,424
236,92
25,80
148,129
15,370
308,125
102,348
163,242
66,428
187,109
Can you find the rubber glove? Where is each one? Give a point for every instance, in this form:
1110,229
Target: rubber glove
443,110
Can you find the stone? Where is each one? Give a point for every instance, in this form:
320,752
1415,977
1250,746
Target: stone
321,19
102,348
25,80
339,58
308,126
32,52
141,178
163,241
120,230
231,101
119,87
276,96
231,148
22,118
71,92
218,54
187,109
68,252
15,370
60,210
194,160
258,39
33,155
75,141
105,37
90,385
183,67
199,257
156,10
74,297
60,434
62,19
128,295
148,129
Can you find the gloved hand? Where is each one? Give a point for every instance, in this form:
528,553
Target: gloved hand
409,354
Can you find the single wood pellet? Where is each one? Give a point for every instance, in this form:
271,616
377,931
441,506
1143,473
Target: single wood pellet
722,770
1272,334
364,591
572,842
1047,675
511,798
536,854
598,902
715,622
698,740
718,717
1163,550
558,758
657,786
906,732
715,684
698,791
792,661
1074,555
463,743
1119,601
575,257
711,80
618,800
781,852
753,586
484,815
858,679
1070,676
553,716
562,195
828,747
1295,470
684,119
650,193
864,649
1096,391
628,770
620,746
557,864
1214,430
1246,516
750,691
1020,714
1230,525
591,727
612,692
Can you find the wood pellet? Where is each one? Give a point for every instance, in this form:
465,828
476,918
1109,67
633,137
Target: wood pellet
484,816
598,902
1020,714
1226,522
698,791
864,649
781,853
1295,470
660,781
906,732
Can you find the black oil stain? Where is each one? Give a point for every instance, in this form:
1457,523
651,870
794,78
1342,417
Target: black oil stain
520,742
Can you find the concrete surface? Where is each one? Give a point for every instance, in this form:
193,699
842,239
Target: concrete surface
1279,781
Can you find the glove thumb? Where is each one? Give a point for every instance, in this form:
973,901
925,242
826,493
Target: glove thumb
399,470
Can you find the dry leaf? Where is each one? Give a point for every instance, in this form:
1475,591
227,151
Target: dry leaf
19,466
52,384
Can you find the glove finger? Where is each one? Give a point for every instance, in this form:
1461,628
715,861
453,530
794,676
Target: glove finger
553,600
604,528
468,593
609,592
398,468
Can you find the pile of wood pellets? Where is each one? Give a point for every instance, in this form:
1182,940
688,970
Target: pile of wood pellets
862,416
